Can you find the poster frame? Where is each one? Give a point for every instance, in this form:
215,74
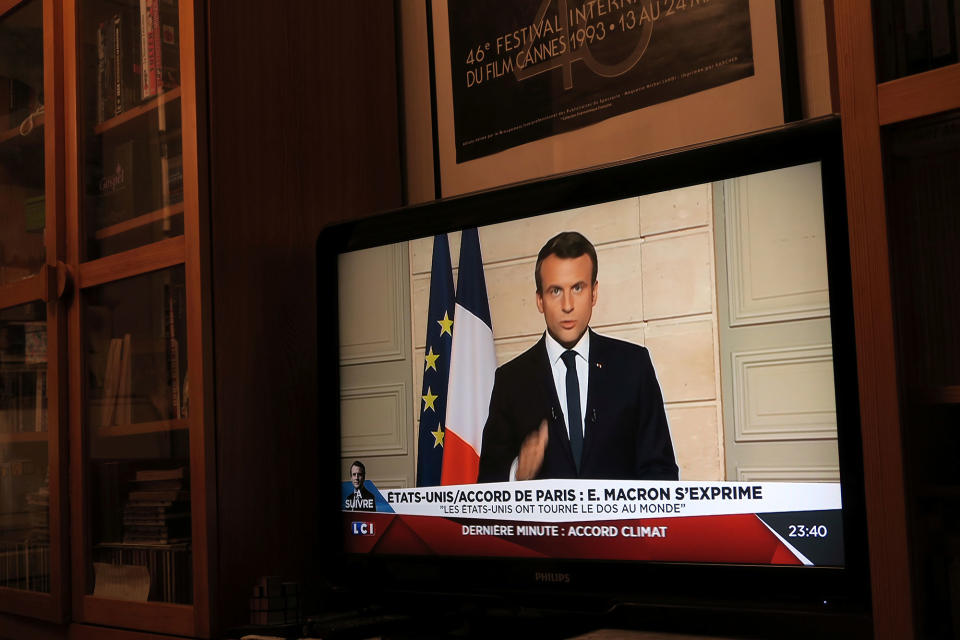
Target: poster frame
769,98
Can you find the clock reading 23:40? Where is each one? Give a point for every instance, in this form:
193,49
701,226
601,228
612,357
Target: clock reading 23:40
808,531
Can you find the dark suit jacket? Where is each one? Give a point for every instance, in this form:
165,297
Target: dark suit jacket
626,434
366,503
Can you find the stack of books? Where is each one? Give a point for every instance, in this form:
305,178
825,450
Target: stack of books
157,510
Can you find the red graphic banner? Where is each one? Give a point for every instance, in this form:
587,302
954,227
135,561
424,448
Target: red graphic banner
736,538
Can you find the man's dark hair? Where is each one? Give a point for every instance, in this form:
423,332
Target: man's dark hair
567,244
363,469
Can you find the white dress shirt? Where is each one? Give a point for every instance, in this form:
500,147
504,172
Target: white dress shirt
554,352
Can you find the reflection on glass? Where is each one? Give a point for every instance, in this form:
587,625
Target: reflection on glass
922,185
22,202
137,403
24,476
130,61
915,36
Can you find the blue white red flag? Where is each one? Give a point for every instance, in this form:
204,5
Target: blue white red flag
436,365
472,367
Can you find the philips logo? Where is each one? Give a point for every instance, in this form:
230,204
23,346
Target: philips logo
361,528
543,576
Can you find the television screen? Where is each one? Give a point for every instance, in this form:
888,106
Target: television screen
649,363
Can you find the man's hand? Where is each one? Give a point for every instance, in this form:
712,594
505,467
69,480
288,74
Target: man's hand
531,453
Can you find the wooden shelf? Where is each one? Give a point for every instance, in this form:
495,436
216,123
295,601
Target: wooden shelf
140,428
919,95
946,394
150,257
139,221
20,366
13,134
136,112
24,436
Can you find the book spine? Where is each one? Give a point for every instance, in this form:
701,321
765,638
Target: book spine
111,381
117,65
109,70
173,352
123,394
131,58
40,417
101,74
168,45
156,71
148,87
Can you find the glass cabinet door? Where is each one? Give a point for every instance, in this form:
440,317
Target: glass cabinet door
131,155
32,451
137,401
24,453
22,195
134,557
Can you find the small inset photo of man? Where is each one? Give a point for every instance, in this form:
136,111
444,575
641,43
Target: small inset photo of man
356,496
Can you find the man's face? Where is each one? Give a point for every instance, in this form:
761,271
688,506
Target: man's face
567,297
356,476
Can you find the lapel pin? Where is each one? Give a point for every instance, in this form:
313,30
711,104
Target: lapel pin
599,366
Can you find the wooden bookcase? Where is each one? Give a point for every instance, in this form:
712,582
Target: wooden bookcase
181,315
908,412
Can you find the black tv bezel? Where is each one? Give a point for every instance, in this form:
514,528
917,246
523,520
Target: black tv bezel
592,584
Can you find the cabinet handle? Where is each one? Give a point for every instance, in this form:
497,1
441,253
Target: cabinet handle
57,281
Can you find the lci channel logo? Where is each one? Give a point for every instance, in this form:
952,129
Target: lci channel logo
362,528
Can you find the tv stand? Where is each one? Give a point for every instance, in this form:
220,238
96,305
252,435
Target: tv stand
440,616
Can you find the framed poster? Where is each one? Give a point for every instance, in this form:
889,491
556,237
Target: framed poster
527,88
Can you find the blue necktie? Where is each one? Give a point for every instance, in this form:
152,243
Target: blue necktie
574,420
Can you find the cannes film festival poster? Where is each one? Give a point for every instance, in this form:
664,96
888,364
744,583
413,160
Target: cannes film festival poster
527,69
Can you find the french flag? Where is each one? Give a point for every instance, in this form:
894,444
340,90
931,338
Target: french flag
472,366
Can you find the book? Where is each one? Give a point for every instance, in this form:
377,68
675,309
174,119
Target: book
153,504
124,400
102,81
148,48
116,42
111,382
40,408
173,312
175,531
177,473
159,495
136,519
153,507
169,62
160,485
174,180
126,60
118,199
159,46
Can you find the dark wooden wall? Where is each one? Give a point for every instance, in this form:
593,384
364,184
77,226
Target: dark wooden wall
303,131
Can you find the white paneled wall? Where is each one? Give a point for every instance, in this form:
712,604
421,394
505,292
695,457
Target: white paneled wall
774,310
375,363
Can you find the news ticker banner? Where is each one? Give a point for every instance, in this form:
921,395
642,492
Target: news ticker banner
731,522
556,65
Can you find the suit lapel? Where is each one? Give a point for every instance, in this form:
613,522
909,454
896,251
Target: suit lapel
596,389
557,426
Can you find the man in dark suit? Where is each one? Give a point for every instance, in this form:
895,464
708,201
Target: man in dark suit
576,404
361,499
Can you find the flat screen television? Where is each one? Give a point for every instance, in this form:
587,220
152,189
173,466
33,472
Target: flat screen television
627,387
